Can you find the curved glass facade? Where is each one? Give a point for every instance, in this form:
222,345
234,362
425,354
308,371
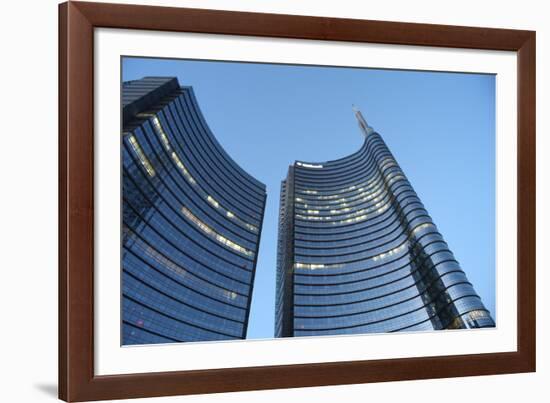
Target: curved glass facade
358,252
191,222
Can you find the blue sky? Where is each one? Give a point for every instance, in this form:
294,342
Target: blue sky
439,126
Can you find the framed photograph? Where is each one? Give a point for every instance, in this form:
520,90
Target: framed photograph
257,201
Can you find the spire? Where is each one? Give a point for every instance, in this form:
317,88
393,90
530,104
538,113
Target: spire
365,128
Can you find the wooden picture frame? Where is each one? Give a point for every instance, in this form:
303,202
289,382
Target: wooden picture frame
77,381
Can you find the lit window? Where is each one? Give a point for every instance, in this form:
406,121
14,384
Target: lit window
354,219
229,294
314,266
220,238
182,168
251,227
163,136
364,186
382,209
230,214
167,145
390,252
302,164
478,314
327,197
165,262
168,264
141,155
313,217
175,157
212,201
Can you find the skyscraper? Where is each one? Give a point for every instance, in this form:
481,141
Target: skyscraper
191,222
358,252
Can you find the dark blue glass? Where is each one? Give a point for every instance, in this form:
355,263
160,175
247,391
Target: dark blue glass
359,253
191,222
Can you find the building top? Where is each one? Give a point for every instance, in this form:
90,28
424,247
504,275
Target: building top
142,94
151,94
366,129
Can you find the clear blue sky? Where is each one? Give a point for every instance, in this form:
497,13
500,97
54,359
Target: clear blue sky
439,126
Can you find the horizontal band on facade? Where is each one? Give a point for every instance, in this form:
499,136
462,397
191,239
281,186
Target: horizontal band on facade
164,314
210,284
368,204
340,273
402,232
233,264
383,232
365,290
199,204
182,302
187,221
368,257
360,194
194,159
339,162
385,207
354,177
386,273
358,227
449,322
440,276
389,318
168,338
419,295
327,186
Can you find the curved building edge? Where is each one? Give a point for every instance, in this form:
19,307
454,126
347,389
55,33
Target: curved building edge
192,220
359,253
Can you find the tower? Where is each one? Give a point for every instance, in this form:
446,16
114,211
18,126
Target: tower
359,253
191,222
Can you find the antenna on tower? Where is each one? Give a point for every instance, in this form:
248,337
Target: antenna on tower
363,125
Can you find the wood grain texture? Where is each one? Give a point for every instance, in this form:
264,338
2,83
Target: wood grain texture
526,199
77,21
63,320
76,213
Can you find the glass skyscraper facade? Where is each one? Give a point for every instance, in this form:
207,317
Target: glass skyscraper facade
191,222
358,252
